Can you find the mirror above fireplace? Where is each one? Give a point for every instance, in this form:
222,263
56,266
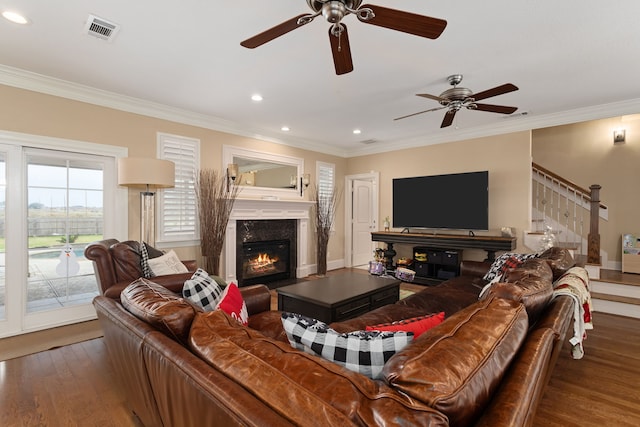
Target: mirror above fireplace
265,174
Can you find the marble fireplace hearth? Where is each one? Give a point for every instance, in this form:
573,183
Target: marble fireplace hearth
251,211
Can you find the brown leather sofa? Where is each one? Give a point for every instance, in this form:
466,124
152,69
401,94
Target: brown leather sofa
117,264
487,364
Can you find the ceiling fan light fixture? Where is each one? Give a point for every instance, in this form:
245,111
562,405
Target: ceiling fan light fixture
334,11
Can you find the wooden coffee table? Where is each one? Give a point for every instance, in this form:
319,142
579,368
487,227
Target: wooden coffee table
339,296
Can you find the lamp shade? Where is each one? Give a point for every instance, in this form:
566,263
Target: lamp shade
142,171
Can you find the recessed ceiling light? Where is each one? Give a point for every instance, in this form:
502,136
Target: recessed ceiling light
285,128
256,97
357,131
15,17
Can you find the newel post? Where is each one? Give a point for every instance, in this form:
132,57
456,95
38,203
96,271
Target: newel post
593,240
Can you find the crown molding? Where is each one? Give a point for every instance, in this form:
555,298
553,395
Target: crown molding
22,79
510,125
28,80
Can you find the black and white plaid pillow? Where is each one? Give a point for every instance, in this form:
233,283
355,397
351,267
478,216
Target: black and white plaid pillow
202,290
144,261
364,352
496,267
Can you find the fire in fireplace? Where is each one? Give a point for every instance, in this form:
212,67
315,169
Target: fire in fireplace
265,261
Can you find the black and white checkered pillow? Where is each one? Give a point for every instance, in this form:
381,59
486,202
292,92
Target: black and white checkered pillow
144,261
202,290
496,267
364,352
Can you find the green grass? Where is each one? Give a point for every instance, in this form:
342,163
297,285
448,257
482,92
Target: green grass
53,241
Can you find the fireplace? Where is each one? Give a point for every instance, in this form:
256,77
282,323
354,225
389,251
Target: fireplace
267,215
264,262
266,252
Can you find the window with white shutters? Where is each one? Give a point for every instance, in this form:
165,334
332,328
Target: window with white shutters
177,214
326,179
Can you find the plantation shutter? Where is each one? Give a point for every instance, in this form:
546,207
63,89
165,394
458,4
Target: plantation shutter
326,179
178,213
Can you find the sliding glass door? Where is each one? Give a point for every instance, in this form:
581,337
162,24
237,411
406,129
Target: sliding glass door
53,202
65,212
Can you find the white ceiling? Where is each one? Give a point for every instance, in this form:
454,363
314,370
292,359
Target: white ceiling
572,60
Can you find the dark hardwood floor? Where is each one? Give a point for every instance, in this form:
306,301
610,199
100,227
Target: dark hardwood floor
73,385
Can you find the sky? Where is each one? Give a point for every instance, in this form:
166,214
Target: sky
48,185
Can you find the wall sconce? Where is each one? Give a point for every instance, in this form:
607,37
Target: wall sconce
232,174
619,136
147,173
305,179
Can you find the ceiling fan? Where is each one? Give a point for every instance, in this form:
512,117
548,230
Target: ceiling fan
334,10
455,98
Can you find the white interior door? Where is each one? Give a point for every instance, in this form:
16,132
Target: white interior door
363,222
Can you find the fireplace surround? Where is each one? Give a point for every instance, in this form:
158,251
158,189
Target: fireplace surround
250,211
266,251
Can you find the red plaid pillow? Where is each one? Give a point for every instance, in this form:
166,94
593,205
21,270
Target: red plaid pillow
417,325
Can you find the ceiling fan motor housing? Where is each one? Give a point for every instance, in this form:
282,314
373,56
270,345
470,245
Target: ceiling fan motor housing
455,94
334,10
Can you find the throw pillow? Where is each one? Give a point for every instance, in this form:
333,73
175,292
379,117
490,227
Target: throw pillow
508,265
417,325
168,263
202,290
232,303
144,262
364,352
496,267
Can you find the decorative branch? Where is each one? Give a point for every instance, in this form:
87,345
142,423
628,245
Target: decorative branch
215,201
325,213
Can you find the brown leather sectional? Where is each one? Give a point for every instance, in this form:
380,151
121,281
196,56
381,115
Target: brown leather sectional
487,364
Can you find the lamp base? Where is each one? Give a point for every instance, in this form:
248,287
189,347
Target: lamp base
147,218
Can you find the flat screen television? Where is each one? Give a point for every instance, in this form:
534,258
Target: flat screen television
453,201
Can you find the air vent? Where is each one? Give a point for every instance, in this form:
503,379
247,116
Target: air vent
368,141
515,115
101,28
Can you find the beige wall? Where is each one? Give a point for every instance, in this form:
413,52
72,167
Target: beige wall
585,154
39,114
506,157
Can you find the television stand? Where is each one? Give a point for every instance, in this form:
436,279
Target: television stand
490,244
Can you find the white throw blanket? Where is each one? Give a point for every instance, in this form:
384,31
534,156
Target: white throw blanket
575,283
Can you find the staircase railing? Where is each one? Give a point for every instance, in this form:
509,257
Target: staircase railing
564,208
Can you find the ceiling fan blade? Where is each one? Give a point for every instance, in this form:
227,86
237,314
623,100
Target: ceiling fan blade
341,51
448,118
434,97
495,108
411,23
273,33
499,90
421,112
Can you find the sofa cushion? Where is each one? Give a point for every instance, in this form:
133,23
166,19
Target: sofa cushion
168,263
456,366
202,290
417,325
159,307
232,303
529,284
559,259
360,351
496,266
306,389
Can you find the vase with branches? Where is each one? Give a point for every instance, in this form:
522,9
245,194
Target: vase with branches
326,203
215,199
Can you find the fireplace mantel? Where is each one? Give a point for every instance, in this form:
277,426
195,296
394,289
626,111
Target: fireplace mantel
265,209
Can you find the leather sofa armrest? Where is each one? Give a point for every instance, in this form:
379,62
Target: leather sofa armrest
173,282
191,264
257,298
474,268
